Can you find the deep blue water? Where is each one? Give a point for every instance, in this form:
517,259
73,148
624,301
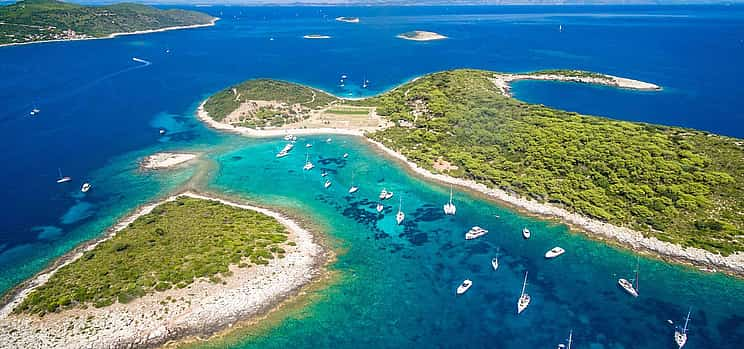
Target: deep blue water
100,111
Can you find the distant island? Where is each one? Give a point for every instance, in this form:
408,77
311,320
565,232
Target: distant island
348,19
316,36
190,265
419,35
30,21
669,190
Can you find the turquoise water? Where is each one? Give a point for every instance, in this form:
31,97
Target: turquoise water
101,113
398,282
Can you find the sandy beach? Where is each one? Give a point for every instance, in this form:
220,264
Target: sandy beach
201,309
625,237
113,35
164,160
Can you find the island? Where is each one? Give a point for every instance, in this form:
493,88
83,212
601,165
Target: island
675,192
420,35
30,21
348,19
190,265
316,36
164,160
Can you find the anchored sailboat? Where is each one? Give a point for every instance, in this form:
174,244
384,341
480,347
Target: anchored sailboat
62,179
353,188
400,216
628,286
680,334
524,298
380,207
308,165
449,208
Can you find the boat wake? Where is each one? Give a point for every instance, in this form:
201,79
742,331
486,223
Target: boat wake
140,60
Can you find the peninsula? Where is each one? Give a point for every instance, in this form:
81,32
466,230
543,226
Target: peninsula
165,160
190,265
30,21
676,192
420,35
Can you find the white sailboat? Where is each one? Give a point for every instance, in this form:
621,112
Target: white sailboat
308,165
62,179
327,184
449,208
400,216
570,339
680,334
380,207
524,298
353,188
628,286
495,263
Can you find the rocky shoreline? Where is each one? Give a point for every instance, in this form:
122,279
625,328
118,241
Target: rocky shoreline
201,309
503,80
624,237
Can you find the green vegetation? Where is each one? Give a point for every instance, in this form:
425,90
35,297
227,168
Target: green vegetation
571,73
36,20
347,111
678,185
293,102
172,246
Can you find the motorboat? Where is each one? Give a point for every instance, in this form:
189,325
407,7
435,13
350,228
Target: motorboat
464,287
86,186
526,233
384,194
554,252
327,184
475,232
495,263
380,207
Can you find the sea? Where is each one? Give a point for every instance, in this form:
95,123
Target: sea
393,285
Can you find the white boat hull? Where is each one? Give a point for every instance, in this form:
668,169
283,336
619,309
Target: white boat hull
400,217
554,252
495,263
464,287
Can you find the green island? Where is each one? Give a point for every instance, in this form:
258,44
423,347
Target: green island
678,185
177,243
41,20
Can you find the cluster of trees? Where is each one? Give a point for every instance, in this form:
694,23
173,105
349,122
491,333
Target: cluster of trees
678,185
571,73
178,242
25,16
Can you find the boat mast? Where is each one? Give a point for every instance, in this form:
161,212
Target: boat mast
684,329
60,172
400,204
638,268
524,285
570,337
450,195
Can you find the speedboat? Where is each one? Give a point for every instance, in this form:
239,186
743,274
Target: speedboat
34,111
308,145
86,186
524,298
475,232
346,155
526,233
353,189
554,252
328,140
384,194
464,287
323,174
327,184
628,287
495,263
380,207
162,131
288,137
